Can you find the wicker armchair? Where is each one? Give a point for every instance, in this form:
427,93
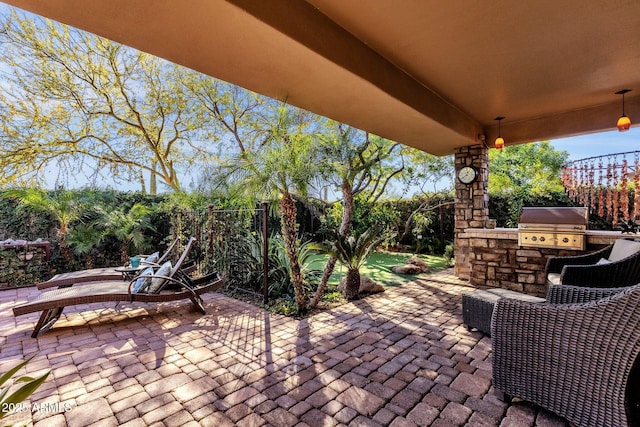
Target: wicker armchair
593,269
581,361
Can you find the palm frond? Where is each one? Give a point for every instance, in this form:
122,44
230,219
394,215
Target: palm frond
352,251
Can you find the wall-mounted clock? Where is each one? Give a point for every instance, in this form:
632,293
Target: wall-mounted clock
467,174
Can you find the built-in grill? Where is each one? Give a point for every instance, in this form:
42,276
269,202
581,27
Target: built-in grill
556,227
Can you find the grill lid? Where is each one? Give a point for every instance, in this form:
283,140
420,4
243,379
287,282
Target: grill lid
555,215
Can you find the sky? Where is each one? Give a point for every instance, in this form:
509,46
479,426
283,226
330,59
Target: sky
596,144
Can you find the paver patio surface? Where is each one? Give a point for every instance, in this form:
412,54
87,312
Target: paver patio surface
399,358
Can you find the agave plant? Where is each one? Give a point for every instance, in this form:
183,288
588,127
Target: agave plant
352,252
280,283
8,402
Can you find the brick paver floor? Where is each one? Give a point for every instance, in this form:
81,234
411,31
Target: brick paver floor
399,358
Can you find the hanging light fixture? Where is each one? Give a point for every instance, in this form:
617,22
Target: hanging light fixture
499,144
624,123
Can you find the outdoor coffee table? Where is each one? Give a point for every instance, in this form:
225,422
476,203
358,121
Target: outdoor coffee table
477,306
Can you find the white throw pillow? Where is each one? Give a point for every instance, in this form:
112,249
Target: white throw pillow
553,278
157,283
623,248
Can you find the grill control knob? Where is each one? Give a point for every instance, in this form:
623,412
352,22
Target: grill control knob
534,238
565,240
542,239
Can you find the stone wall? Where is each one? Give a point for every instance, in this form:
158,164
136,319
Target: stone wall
23,263
472,203
496,259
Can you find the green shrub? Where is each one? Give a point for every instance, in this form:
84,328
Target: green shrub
280,284
285,306
382,216
449,254
506,208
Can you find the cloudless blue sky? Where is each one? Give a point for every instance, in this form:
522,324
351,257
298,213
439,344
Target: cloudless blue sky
596,144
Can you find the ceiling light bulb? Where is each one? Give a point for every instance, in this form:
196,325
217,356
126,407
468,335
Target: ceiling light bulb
624,123
499,144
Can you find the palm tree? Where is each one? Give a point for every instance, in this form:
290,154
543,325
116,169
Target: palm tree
83,239
352,252
283,168
129,227
62,205
356,166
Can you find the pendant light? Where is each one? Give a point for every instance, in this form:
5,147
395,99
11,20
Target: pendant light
499,144
624,123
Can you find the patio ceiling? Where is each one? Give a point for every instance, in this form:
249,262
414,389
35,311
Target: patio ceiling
429,74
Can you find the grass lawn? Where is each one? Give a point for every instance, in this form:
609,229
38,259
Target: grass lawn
378,267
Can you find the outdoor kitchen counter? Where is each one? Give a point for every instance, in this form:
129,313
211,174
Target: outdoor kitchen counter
496,259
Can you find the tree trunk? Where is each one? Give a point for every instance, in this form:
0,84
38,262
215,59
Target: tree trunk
65,250
90,261
287,210
345,226
352,284
67,255
153,180
143,186
322,287
124,253
347,213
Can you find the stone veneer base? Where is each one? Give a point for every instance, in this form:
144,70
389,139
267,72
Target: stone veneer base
496,259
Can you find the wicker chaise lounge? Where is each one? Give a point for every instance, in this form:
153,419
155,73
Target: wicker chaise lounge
175,285
97,274
581,361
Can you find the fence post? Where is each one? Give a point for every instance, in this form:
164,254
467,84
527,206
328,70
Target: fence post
265,250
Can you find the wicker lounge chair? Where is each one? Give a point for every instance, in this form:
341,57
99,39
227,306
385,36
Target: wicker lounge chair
615,265
581,361
100,274
176,285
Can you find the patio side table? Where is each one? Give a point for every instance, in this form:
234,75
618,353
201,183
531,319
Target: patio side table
477,306
130,273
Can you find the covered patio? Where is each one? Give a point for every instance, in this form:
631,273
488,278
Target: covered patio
432,75
400,358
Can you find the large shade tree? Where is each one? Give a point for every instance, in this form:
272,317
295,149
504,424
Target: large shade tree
240,118
526,169
91,105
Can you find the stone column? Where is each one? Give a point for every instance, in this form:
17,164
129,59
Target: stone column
472,203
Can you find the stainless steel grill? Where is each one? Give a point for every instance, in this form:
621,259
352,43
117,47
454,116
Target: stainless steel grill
556,227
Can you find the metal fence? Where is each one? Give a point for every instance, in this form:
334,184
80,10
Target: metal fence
230,241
